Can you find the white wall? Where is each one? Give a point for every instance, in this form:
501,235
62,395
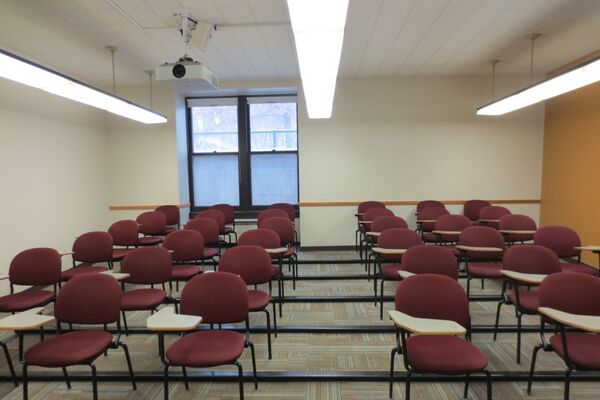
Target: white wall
413,139
53,172
143,159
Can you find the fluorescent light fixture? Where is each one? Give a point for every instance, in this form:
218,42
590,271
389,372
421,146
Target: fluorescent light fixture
31,74
318,27
572,79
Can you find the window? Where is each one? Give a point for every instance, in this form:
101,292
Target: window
244,151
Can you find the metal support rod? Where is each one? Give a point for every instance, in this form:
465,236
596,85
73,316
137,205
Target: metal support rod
150,75
113,50
532,37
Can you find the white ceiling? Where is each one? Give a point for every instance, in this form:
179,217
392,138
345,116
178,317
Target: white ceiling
383,37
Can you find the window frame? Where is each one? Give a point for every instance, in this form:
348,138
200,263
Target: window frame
244,153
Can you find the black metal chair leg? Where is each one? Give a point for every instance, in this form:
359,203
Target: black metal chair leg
25,394
9,362
94,382
66,375
253,354
497,319
268,332
185,378
166,382
407,390
466,387
280,284
381,298
240,379
20,346
519,316
129,366
274,317
567,383
531,370
469,288
488,383
125,323
394,350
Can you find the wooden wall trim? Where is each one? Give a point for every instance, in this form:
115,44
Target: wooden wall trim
408,202
143,207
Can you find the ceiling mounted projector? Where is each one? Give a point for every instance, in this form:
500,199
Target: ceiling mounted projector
187,74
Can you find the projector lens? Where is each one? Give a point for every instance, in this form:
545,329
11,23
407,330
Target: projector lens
178,71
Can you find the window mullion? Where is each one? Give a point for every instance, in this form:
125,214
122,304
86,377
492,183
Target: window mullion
244,153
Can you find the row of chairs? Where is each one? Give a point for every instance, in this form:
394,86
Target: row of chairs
482,244
166,255
429,329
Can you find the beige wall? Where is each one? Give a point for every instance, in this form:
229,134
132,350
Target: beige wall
54,174
413,139
143,159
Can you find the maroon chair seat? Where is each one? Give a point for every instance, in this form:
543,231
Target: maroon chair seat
206,349
169,229
210,252
471,209
25,300
184,272
254,266
493,214
579,268
219,298
390,272
258,300
270,213
486,270
419,259
527,259
584,349
429,237
73,272
119,254
529,301
517,222
71,348
89,299
444,355
142,299
287,207
150,241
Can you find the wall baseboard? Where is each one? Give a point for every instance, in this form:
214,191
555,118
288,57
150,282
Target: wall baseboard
327,248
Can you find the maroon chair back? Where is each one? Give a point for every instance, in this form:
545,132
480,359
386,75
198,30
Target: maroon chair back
35,267
472,208
423,259
429,204
451,222
147,266
386,222
227,210
171,213
560,239
216,215
283,227
218,297
397,238
288,208
572,293
186,245
270,213
89,299
433,296
372,213
517,222
531,259
252,263
152,222
93,247
482,236
208,227
265,238
365,205
493,213
431,214
124,232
